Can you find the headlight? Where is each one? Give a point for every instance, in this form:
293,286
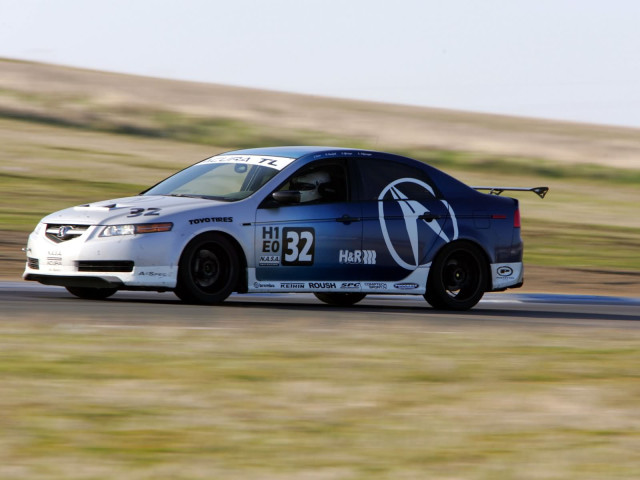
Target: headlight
116,230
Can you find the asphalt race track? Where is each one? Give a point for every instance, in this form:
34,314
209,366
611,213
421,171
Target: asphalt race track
32,301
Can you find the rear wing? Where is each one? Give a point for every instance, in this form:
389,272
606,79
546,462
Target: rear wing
540,191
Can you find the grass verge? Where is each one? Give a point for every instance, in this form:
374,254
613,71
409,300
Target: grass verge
397,401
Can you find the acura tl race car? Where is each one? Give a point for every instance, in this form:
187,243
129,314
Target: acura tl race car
340,223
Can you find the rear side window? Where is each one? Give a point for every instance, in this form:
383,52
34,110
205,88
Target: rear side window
377,174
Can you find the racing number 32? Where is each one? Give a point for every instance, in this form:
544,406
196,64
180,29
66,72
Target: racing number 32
299,246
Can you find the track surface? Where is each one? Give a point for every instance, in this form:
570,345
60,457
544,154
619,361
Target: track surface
32,301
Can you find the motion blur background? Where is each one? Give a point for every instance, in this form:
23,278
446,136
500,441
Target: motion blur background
99,100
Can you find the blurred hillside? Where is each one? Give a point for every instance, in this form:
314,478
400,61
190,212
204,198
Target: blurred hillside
238,117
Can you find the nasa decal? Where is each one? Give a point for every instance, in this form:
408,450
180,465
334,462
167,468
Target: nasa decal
416,229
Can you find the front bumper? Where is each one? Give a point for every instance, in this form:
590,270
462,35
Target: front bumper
142,261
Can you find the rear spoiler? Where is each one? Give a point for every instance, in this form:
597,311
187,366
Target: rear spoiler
540,191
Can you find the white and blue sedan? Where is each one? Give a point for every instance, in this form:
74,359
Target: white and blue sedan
338,222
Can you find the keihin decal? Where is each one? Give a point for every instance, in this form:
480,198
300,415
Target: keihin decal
273,162
411,211
367,257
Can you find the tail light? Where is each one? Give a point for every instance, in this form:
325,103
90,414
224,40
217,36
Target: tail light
516,219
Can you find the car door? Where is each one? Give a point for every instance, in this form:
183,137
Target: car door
307,244
404,218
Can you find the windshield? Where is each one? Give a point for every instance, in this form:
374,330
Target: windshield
216,181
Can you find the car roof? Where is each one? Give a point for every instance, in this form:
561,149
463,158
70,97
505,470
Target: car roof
289,152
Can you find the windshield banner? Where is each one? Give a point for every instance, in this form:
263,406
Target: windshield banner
273,162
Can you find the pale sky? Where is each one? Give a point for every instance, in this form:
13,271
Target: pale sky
559,59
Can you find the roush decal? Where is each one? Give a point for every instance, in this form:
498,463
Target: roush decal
273,162
322,285
366,257
416,222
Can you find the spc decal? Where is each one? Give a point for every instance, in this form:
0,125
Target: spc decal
299,246
366,257
413,212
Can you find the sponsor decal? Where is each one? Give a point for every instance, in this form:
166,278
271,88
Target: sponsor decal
405,286
349,285
366,257
299,246
197,221
292,285
322,285
272,162
269,260
270,240
375,285
263,285
153,274
505,271
412,210
145,212
54,261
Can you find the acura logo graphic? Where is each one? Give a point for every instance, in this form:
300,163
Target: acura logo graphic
62,231
411,211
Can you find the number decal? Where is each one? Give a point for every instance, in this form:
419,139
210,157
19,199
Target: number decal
151,212
299,246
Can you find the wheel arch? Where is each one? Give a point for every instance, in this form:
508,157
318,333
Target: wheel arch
241,286
486,258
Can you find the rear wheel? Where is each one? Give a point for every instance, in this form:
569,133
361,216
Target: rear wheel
208,271
457,278
340,299
89,293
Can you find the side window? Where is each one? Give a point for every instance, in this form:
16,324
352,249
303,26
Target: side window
376,174
320,182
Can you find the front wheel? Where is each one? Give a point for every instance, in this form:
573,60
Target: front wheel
457,278
208,271
89,293
340,299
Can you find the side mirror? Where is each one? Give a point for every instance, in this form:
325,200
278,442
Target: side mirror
286,197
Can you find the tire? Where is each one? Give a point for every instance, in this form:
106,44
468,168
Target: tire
458,277
340,299
89,293
208,271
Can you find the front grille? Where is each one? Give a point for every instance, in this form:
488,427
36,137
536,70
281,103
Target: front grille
105,266
60,232
33,263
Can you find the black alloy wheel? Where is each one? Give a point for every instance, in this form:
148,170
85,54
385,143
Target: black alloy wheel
208,271
458,278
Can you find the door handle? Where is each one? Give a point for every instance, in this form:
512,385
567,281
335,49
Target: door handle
347,219
428,216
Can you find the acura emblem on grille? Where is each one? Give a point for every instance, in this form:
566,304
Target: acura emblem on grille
62,231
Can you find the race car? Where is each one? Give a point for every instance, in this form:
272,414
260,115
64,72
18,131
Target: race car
340,223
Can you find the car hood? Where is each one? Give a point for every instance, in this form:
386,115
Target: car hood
139,209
